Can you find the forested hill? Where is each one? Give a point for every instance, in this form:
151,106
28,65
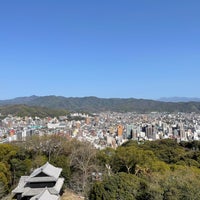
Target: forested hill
94,104
153,170
24,110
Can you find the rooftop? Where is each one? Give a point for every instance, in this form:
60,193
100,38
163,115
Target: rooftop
44,195
47,169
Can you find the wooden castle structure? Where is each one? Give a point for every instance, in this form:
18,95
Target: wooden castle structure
43,184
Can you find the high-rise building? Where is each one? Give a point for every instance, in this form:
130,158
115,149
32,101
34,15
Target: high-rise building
120,130
129,131
149,131
182,131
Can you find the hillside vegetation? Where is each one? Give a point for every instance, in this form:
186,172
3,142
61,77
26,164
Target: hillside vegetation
94,104
157,170
32,111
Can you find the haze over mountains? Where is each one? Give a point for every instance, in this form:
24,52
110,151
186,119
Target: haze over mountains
179,99
94,104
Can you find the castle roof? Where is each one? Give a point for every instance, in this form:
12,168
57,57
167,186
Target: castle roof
46,173
44,195
52,172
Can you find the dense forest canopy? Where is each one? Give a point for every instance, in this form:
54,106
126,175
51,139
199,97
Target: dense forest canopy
161,169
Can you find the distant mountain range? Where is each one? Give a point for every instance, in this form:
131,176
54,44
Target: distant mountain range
179,99
94,104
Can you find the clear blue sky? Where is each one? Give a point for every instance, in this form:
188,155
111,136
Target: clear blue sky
108,48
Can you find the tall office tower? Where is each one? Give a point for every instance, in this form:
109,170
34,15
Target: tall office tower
182,131
129,131
170,131
139,129
175,133
149,132
120,130
155,131
135,134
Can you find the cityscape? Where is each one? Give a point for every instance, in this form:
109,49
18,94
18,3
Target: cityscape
106,128
93,146
99,100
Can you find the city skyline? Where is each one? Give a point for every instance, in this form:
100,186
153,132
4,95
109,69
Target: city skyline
107,49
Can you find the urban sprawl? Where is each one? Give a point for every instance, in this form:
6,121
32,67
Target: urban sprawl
105,129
